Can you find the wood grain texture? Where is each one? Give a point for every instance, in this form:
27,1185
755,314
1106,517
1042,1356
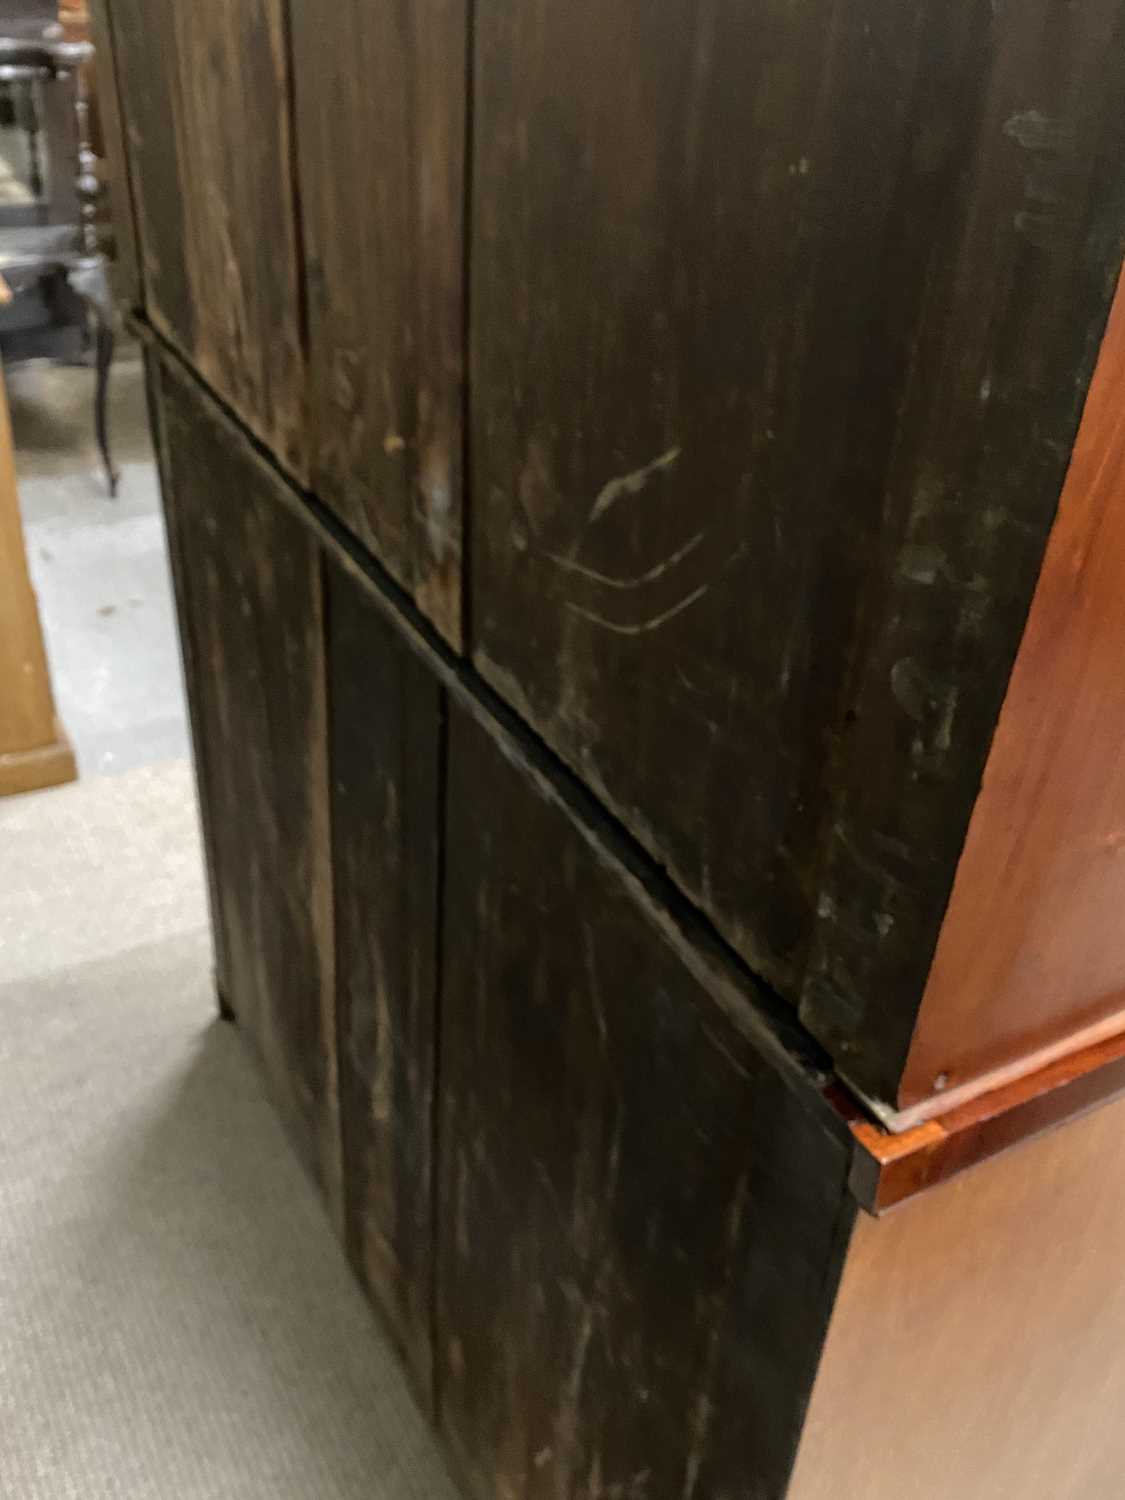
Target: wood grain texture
1033,943
194,678
782,319
380,91
252,609
205,91
640,1215
386,725
977,1347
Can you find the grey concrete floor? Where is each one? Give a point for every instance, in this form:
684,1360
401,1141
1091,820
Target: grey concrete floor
99,566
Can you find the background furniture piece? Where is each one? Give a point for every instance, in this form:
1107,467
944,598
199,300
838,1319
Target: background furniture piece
34,750
48,248
30,23
646,491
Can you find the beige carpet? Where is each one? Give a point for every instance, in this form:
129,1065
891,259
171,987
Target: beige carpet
176,1320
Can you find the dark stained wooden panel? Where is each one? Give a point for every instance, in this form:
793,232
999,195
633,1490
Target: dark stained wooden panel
782,317
641,1216
1032,948
205,103
252,611
380,93
201,750
386,723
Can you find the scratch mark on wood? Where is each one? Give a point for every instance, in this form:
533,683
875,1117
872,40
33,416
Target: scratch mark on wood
921,563
570,566
567,1422
703,1407
1036,131
595,988
645,625
382,1085
631,483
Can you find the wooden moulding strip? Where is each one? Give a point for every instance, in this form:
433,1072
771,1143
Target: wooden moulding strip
1029,1066
888,1168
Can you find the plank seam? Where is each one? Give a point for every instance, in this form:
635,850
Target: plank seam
750,1003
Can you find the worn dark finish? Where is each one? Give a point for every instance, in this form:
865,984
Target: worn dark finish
338,724
641,1215
386,727
194,677
206,109
251,608
778,321
380,94
782,317
646,1181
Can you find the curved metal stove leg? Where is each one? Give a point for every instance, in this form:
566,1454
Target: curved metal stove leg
89,280
103,352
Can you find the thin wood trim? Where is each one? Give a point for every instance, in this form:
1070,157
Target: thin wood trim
1029,1067
888,1168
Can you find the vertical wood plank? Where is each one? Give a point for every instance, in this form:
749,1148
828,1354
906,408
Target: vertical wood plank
386,727
253,615
782,320
380,108
195,680
640,1222
206,106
